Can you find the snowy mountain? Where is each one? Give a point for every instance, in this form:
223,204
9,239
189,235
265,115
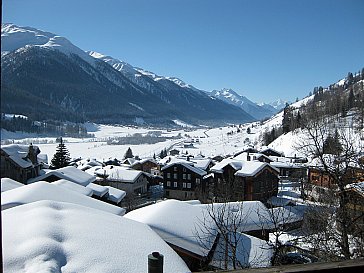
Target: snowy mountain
60,81
230,96
274,106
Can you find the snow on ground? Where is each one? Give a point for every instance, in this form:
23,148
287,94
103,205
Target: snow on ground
71,238
209,142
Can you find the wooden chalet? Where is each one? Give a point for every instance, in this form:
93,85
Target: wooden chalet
183,181
236,180
20,162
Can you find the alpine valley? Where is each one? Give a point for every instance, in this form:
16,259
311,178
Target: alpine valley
46,77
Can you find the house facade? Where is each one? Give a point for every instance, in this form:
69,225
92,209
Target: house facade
19,162
129,180
259,185
183,181
244,181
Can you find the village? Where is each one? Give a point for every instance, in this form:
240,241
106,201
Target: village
247,209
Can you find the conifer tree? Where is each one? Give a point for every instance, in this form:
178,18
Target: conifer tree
62,156
128,154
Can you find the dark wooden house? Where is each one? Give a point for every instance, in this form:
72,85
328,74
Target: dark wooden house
244,181
183,181
20,162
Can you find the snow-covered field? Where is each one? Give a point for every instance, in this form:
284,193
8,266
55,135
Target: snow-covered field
209,142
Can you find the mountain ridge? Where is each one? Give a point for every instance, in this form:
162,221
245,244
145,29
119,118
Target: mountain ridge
60,74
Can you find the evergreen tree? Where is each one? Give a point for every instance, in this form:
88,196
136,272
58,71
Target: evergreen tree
287,119
128,154
62,156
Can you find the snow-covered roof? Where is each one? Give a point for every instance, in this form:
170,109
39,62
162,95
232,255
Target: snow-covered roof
46,191
235,164
173,159
18,154
250,252
193,202
266,149
187,166
92,170
202,163
73,186
253,156
98,190
279,201
251,168
177,223
49,236
115,195
279,164
119,173
144,160
9,184
254,215
69,173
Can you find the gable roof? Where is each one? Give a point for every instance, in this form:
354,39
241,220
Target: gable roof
83,240
187,166
69,173
115,195
253,156
9,184
73,186
46,191
177,223
219,167
119,174
251,168
18,154
265,149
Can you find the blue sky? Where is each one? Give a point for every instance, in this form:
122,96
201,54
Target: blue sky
264,50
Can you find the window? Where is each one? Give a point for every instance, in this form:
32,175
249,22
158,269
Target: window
175,169
168,175
189,176
175,176
198,181
184,169
184,176
175,184
184,185
188,185
168,183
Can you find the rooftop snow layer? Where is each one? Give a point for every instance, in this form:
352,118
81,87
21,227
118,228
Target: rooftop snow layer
117,173
251,168
115,195
187,166
18,153
235,164
46,191
69,173
49,236
9,184
73,186
98,190
250,252
177,223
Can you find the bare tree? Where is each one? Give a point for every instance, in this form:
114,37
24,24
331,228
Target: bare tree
225,223
333,222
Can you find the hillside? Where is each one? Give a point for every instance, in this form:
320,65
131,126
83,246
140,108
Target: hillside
59,81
